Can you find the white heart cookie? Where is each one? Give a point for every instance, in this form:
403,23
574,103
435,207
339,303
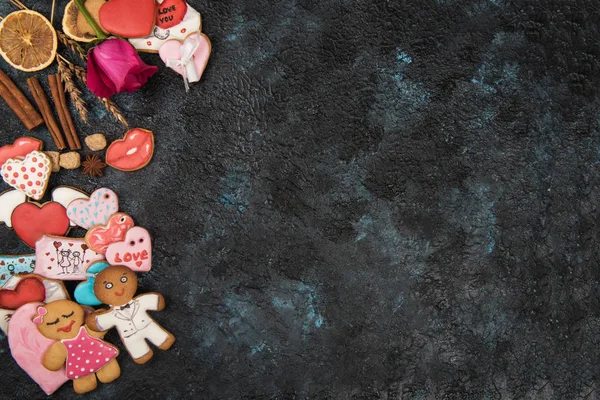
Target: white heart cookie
30,175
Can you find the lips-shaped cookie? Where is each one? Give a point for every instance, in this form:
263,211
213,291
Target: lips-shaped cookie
133,152
31,221
20,148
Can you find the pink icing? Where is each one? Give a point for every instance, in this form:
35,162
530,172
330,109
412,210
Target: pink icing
86,354
135,251
28,347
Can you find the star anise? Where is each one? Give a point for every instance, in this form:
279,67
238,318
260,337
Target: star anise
93,165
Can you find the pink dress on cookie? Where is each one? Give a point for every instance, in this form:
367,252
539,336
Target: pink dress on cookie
87,354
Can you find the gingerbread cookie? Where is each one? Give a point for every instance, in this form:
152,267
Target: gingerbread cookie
28,346
88,359
116,286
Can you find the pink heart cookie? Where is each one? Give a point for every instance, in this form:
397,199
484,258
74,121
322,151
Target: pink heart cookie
30,175
171,50
96,210
99,237
28,347
135,251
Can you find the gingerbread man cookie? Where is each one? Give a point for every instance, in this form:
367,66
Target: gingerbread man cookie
116,286
87,357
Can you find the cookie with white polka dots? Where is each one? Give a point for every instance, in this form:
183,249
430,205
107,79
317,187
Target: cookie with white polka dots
29,175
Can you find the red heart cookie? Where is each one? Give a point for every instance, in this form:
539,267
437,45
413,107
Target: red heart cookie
31,221
27,290
20,148
133,152
170,13
128,18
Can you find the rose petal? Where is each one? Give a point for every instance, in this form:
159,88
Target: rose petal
97,81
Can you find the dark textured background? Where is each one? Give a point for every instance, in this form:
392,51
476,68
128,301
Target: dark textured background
366,200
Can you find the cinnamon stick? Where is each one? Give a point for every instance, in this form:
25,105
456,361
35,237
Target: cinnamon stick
42,102
17,102
63,102
60,110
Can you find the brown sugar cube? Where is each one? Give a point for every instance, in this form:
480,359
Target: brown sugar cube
70,160
54,157
96,142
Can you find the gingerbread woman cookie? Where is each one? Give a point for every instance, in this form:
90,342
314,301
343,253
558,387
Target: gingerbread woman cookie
86,356
116,286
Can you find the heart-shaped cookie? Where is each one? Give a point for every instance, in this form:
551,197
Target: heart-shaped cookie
26,291
19,149
29,175
84,292
133,152
102,204
31,221
65,195
135,251
172,50
28,346
170,13
128,18
99,237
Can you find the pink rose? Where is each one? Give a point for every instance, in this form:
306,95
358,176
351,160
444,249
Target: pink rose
114,67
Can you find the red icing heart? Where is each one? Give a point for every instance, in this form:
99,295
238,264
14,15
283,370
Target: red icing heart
128,18
26,291
133,152
31,222
56,244
47,254
20,148
1,262
170,13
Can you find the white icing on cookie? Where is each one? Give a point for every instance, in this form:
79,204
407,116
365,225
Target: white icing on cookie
9,200
192,22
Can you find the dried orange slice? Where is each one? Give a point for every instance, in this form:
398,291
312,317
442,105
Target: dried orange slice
74,24
27,40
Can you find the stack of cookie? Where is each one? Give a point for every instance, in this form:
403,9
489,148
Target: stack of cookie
53,338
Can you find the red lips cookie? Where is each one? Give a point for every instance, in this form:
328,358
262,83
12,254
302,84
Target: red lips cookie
128,18
27,290
20,148
31,221
133,152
